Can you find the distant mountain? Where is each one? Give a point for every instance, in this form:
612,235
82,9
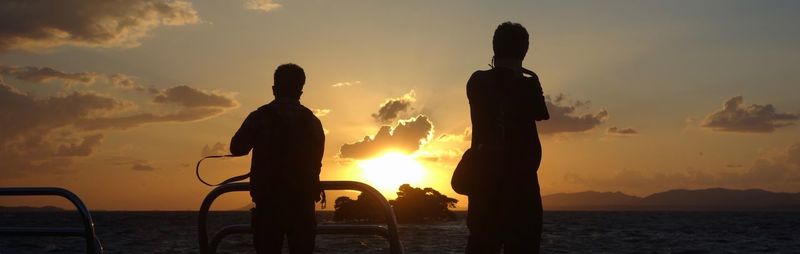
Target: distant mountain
676,200
30,209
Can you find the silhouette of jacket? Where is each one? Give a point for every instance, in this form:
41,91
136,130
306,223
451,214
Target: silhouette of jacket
288,143
507,211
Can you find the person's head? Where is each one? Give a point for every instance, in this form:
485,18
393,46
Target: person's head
510,41
289,81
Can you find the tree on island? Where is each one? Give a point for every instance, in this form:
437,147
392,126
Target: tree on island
362,209
422,205
412,205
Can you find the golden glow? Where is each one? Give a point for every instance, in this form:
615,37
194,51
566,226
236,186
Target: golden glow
388,172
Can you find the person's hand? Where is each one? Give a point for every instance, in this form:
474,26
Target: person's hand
322,199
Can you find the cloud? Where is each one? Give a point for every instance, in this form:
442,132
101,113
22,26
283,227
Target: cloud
22,114
131,163
216,149
46,134
346,83
407,136
142,166
621,131
391,108
195,105
261,5
46,74
136,120
25,143
37,25
189,97
321,112
563,117
735,116
128,82
85,148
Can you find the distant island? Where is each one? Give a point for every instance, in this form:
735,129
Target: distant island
412,205
715,199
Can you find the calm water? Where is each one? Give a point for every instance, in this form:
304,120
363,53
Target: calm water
565,232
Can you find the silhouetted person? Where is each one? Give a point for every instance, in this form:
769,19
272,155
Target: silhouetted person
288,143
506,211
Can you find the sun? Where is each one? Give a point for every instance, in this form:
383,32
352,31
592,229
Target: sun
388,172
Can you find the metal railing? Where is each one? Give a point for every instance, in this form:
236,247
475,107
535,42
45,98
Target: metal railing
93,245
389,232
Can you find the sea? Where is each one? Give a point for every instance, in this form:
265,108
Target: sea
564,232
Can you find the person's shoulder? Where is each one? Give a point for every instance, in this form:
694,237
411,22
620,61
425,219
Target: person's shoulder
477,78
261,110
309,113
531,77
480,74
529,74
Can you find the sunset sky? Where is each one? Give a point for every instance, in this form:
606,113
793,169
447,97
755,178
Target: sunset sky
116,100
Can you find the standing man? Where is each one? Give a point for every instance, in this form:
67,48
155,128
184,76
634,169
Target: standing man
287,142
505,212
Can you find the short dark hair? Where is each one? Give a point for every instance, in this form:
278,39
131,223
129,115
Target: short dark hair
289,80
510,40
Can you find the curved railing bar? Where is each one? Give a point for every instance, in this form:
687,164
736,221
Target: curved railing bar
206,248
92,242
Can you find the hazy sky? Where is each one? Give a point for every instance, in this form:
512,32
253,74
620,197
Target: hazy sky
116,100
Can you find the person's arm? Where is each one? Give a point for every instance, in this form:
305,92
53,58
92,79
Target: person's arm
538,106
319,146
317,152
475,106
244,139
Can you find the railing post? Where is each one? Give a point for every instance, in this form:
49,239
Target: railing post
92,242
395,246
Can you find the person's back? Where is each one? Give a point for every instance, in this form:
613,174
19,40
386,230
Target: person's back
287,142
505,212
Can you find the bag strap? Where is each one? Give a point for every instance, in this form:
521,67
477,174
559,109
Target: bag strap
323,198
229,180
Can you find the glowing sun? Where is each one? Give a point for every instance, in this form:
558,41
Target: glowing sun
388,172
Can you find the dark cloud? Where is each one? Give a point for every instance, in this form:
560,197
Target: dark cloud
142,166
36,25
31,155
195,105
43,134
407,136
189,97
216,149
85,148
127,82
132,163
25,143
391,108
45,74
621,131
23,115
735,116
563,117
